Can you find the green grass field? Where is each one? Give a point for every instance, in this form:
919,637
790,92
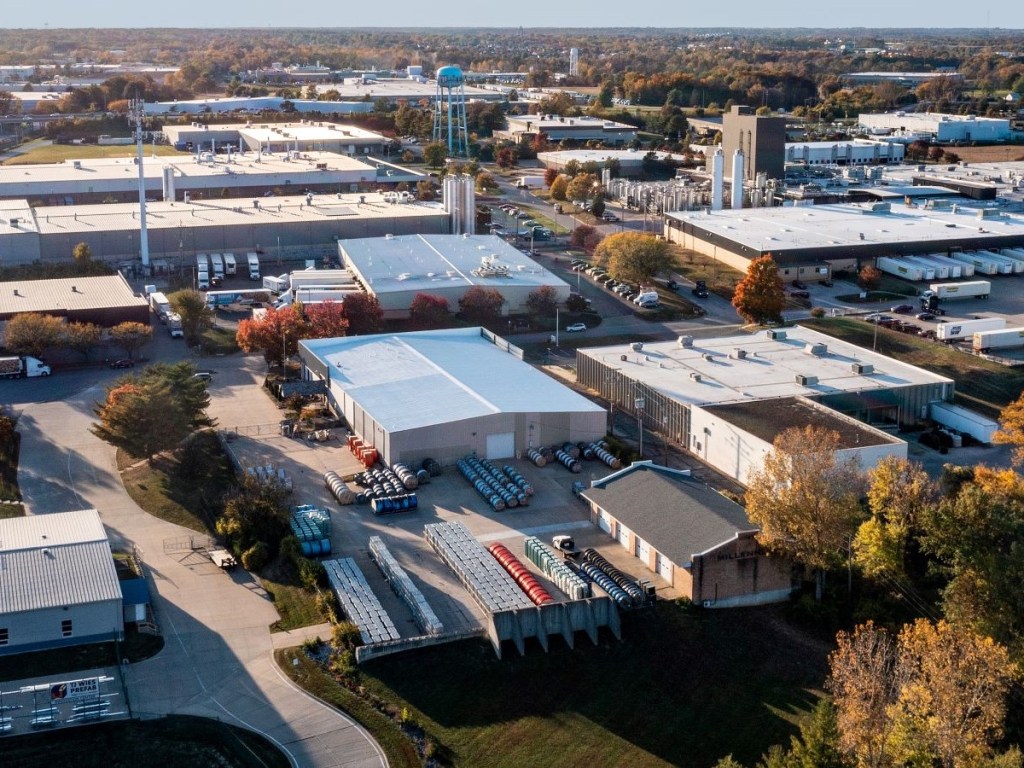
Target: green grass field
980,384
171,742
682,688
59,153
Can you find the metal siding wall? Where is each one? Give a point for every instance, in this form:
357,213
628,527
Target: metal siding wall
44,626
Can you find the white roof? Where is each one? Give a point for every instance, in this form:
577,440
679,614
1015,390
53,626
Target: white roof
777,230
769,370
424,262
55,560
547,122
624,156
413,380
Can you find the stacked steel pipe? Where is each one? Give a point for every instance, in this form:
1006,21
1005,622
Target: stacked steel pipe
629,586
521,574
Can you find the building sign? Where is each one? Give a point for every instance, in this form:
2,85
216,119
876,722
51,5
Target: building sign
76,689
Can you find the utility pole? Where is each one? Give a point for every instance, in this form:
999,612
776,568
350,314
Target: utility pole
137,115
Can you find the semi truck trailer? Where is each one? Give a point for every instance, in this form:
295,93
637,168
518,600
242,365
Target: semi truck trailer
1008,338
969,289
22,367
901,268
965,329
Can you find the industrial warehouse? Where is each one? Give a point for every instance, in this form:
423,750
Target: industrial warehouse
59,585
106,180
397,269
813,240
283,227
304,136
104,301
680,390
696,539
558,127
445,394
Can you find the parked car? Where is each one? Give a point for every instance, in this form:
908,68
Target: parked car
203,375
902,309
800,294
826,282
878,317
124,363
609,216
575,328
925,316
799,285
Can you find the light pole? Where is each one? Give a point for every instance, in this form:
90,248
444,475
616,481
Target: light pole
639,403
284,354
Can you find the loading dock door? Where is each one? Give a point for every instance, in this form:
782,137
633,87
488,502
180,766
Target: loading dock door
604,521
501,446
664,567
643,551
624,536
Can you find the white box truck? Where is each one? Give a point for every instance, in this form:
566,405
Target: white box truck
254,265
963,420
967,328
530,182
230,267
160,305
278,284
1008,338
901,268
218,265
22,367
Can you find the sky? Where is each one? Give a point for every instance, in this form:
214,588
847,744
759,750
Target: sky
1007,14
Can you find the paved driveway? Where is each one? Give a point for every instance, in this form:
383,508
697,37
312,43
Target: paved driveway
217,661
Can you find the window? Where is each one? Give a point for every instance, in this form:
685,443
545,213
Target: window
65,628
4,635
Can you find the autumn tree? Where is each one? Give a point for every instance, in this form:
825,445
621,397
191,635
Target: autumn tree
276,334
256,512
974,537
152,412
326,320
550,174
481,305
435,153
131,336
759,297
31,333
806,498
81,253
558,188
364,314
1011,429
580,234
429,311
542,302
507,157
633,256
583,187
869,278
899,492
485,182
81,337
196,317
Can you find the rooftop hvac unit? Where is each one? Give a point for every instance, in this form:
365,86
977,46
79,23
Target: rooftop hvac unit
636,346
818,350
739,354
694,376
622,358
863,368
806,381
77,165
776,335
685,342
708,356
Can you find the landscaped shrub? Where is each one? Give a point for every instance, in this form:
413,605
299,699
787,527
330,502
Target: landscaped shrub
255,557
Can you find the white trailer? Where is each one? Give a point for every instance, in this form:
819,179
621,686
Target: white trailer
530,182
957,269
965,329
278,284
323,277
1007,266
963,420
218,265
939,271
160,305
1017,254
230,266
1008,338
202,263
982,266
254,265
14,367
902,268
965,289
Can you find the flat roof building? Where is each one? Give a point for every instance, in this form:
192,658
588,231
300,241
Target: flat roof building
824,236
559,127
937,126
447,393
852,152
303,136
396,269
765,369
701,543
630,161
223,104
105,301
59,585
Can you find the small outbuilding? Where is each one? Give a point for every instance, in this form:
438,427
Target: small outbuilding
693,537
106,300
58,586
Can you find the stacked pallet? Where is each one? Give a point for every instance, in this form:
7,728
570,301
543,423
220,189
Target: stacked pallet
358,602
399,580
489,584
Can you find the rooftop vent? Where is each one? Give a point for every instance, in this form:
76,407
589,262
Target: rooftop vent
685,342
636,346
806,381
862,368
818,350
694,376
708,356
738,354
775,335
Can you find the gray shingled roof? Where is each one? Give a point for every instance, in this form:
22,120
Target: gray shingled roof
55,560
677,515
67,293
